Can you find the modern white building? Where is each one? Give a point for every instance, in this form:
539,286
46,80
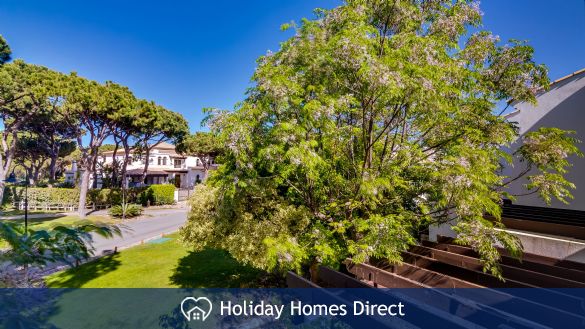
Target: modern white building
562,106
165,166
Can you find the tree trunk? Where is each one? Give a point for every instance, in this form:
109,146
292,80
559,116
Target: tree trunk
94,172
114,179
125,163
30,172
36,172
55,149
53,167
84,187
146,162
2,183
6,160
206,165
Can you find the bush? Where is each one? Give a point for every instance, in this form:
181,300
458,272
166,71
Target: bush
127,210
158,195
110,197
40,195
105,196
57,195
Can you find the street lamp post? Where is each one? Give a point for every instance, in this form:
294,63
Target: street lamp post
26,204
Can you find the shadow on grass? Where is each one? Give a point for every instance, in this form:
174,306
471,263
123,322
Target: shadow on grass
78,276
212,268
36,220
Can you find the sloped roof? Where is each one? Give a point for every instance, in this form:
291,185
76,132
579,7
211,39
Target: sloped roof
165,146
568,76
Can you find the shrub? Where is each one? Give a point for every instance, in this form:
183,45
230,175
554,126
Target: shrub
110,197
159,194
127,210
105,196
59,195
40,195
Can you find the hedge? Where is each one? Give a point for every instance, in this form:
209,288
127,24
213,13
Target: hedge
158,194
65,196
110,197
40,195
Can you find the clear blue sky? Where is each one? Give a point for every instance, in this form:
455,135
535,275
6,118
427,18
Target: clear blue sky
187,55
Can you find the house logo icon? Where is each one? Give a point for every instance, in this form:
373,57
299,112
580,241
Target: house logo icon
197,309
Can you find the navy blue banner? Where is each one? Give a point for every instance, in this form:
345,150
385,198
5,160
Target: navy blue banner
292,308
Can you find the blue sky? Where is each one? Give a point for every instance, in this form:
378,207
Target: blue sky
196,54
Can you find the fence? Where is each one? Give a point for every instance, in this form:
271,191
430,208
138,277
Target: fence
184,193
48,206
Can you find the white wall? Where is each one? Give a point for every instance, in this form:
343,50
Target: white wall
563,106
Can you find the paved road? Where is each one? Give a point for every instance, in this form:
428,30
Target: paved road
133,232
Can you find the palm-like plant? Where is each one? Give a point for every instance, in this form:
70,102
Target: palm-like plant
30,247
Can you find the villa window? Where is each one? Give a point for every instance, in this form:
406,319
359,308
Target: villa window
159,161
164,161
151,161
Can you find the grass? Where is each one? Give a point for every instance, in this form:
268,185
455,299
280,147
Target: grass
17,212
70,220
60,219
163,265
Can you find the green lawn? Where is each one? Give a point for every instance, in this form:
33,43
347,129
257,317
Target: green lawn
16,212
163,265
60,219
70,220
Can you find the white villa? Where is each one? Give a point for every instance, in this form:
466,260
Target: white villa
165,166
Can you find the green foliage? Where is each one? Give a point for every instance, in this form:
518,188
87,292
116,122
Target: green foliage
42,112
126,210
39,247
105,196
52,195
5,51
547,149
56,195
106,147
207,227
154,124
482,237
373,122
113,196
200,143
158,194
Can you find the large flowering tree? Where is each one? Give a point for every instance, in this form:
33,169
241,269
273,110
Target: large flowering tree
376,120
